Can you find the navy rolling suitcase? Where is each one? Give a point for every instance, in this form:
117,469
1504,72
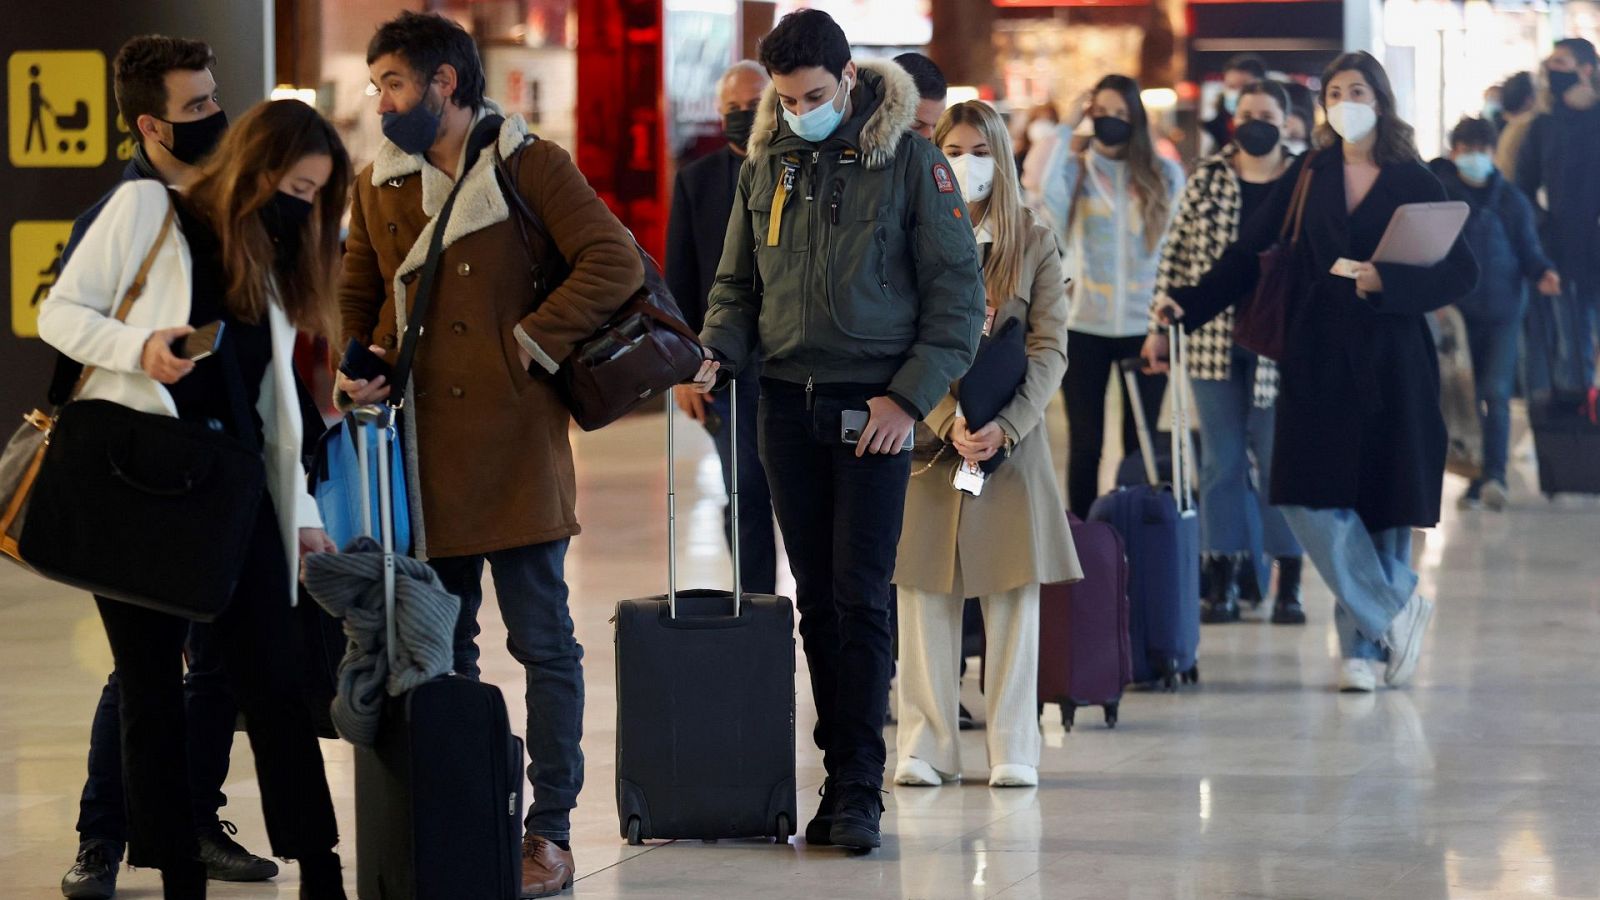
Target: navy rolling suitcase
439,796
1161,530
705,704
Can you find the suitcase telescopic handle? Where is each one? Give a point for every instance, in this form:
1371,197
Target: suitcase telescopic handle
381,417
1182,441
672,501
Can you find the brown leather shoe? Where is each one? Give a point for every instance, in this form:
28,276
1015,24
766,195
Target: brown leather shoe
546,869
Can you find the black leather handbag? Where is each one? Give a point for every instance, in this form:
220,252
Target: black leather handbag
145,508
644,349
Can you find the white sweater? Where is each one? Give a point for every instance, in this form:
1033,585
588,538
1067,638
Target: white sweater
77,319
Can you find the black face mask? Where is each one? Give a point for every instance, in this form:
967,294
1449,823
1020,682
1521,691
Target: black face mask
1561,82
194,141
736,127
284,217
414,130
1112,131
1257,138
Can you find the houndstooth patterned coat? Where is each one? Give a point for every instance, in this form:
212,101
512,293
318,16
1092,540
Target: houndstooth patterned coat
1207,223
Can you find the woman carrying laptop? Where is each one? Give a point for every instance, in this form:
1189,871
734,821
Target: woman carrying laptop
1359,442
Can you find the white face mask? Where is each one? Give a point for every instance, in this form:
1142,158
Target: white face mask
1352,121
1041,130
975,174
1297,148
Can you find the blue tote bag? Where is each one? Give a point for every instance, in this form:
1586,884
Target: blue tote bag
336,485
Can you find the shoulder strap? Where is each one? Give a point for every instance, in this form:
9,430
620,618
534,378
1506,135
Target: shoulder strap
482,134
1296,214
401,373
135,289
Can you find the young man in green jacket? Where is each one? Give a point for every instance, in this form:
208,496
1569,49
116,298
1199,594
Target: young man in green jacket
851,272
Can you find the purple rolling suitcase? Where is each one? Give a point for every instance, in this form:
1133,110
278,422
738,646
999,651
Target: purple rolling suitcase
1161,530
1084,656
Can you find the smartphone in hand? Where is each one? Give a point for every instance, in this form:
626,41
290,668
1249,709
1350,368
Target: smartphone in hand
200,343
852,422
361,364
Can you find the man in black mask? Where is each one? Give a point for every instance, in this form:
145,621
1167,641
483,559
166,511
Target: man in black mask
702,199
1558,156
167,95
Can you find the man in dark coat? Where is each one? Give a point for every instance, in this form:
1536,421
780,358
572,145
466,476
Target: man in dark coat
702,200
1558,156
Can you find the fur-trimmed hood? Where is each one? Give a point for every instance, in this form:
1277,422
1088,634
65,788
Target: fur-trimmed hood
886,96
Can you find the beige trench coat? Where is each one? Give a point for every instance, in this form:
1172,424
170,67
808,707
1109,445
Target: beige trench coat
1015,533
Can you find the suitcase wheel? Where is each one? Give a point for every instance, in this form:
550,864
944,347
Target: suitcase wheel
1069,715
1193,675
783,830
1111,715
633,831
1169,683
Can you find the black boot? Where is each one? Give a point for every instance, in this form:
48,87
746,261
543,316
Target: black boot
93,875
1286,609
1249,584
321,877
1221,604
819,832
227,861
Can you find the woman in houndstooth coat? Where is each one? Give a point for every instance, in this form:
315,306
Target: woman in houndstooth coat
1234,390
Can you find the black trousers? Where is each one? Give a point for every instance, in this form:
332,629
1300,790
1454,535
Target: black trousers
257,644
840,516
1092,362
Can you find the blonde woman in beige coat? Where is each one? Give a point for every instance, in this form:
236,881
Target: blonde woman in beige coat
1003,543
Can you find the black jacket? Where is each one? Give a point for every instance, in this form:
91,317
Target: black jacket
1559,156
702,200
1358,423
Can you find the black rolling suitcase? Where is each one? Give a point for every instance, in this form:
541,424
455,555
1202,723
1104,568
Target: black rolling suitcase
439,796
705,704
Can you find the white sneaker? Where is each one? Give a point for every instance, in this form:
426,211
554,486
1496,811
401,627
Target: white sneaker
1014,776
914,772
1494,495
1356,677
1404,640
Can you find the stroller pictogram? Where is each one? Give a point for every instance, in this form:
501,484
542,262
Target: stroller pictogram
75,121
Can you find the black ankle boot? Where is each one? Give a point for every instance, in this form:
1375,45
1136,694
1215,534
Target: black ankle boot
1286,609
321,877
1221,604
1249,585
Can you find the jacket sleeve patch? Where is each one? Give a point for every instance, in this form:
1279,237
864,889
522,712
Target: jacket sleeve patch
942,179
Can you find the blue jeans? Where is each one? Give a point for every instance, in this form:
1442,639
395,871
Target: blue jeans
840,517
210,714
530,584
1235,516
1494,370
1368,571
758,540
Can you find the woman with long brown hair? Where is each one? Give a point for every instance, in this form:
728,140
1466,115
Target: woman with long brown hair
1359,442
1003,542
250,249
1110,205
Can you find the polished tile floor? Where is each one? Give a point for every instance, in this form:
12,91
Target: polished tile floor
1482,780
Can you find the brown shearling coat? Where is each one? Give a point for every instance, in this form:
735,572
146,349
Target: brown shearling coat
489,460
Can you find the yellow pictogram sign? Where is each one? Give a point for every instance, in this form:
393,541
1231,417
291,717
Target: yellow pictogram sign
35,266
56,107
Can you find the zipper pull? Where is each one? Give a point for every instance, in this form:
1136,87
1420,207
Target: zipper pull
833,202
810,396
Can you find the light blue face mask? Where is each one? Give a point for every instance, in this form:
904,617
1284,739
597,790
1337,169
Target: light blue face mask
1475,167
815,125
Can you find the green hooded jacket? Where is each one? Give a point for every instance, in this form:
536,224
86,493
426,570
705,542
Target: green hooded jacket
869,274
